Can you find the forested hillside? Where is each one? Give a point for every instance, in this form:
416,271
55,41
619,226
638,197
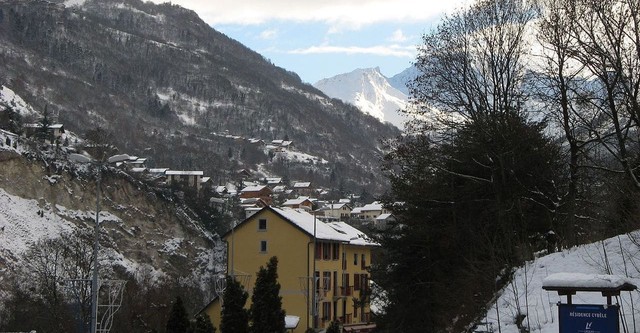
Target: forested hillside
167,85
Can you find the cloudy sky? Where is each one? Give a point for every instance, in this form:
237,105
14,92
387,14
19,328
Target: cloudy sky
322,38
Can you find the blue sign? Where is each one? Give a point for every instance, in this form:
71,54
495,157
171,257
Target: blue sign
588,318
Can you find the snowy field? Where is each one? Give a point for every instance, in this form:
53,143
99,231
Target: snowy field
617,255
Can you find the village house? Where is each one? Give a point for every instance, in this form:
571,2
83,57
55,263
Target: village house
337,210
189,178
54,131
257,191
303,189
320,265
300,202
369,212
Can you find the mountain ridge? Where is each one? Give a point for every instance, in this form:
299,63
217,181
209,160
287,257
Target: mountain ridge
370,91
163,81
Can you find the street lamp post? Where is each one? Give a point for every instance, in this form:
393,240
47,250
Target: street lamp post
94,278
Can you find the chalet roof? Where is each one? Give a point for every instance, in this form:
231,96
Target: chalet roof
279,188
138,170
158,170
384,216
183,173
302,185
51,126
372,207
337,206
296,201
253,188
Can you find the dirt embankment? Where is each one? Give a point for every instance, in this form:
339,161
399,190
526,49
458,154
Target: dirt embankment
141,230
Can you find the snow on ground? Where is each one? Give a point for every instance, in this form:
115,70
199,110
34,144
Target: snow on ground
294,156
10,99
617,256
23,221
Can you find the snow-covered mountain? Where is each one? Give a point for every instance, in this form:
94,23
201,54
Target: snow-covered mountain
400,80
370,91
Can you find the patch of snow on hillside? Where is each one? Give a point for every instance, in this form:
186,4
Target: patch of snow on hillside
293,156
71,3
88,216
622,257
172,245
23,222
9,99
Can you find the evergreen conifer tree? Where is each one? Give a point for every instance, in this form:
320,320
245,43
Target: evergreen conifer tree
235,318
203,324
266,311
178,320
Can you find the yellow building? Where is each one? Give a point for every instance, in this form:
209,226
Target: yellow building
333,266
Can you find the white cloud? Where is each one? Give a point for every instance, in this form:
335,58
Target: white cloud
398,37
346,13
269,34
380,50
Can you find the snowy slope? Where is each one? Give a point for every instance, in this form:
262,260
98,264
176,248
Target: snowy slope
400,80
617,255
9,99
368,90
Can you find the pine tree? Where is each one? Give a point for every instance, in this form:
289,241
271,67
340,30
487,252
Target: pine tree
178,320
235,318
334,327
203,324
266,311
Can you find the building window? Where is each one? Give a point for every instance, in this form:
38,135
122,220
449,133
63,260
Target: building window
355,259
262,224
344,260
363,262
356,281
263,246
336,251
326,251
326,311
326,277
318,246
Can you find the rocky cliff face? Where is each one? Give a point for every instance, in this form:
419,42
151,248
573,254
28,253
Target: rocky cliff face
143,232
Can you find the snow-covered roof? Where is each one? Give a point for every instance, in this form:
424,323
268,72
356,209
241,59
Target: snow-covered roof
296,201
587,282
302,185
138,170
356,237
184,173
254,188
50,126
158,170
384,216
205,179
356,210
305,221
279,188
336,206
372,206
335,231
